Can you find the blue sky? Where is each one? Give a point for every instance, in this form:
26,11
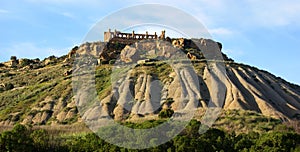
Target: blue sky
265,34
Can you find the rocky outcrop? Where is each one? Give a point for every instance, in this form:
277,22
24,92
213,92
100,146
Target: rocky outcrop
231,87
130,54
50,60
179,43
241,88
255,90
68,72
45,95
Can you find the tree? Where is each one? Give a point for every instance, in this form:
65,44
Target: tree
277,141
40,140
17,139
192,129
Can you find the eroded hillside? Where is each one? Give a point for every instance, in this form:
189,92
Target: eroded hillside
41,92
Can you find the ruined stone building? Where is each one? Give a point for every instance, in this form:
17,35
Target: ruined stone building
118,36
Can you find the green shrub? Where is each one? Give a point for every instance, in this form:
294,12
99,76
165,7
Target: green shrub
111,62
9,86
166,113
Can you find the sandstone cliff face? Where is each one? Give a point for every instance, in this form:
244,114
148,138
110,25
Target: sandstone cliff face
46,96
249,88
244,88
221,84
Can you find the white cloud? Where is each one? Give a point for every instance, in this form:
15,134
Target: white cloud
68,14
30,50
4,11
210,12
220,31
249,13
52,1
274,13
162,16
77,3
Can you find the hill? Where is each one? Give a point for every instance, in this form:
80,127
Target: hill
41,93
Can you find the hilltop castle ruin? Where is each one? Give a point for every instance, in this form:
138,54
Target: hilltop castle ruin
118,36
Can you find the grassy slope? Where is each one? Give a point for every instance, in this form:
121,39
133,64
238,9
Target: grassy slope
32,87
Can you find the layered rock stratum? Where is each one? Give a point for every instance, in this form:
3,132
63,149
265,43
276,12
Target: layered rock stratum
42,92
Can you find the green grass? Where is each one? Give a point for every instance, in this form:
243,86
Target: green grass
103,80
30,88
241,121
